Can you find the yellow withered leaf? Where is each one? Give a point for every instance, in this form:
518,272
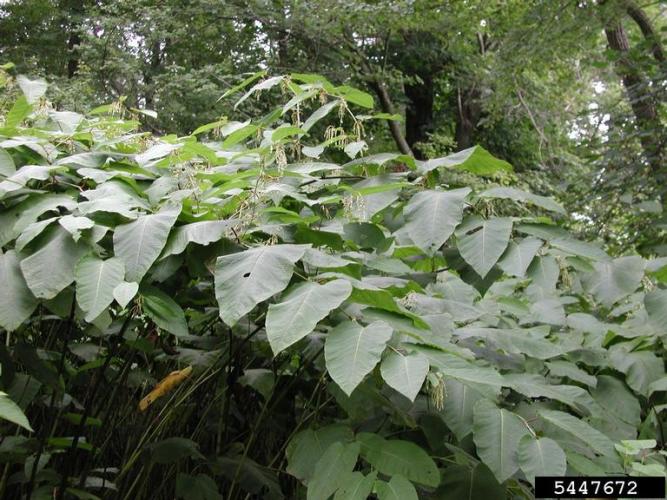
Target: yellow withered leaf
165,386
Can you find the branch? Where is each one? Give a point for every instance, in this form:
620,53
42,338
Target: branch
644,23
540,132
385,99
388,107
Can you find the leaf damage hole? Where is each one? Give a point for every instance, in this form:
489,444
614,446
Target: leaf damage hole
246,275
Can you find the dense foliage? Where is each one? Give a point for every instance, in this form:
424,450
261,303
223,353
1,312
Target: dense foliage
260,309
572,93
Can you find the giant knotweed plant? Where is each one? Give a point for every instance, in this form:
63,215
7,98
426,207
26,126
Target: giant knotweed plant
263,309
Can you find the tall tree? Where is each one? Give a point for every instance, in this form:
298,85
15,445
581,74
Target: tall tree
643,96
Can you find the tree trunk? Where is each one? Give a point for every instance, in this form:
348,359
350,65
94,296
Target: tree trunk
642,102
394,126
468,103
75,11
419,113
73,42
469,114
281,37
150,72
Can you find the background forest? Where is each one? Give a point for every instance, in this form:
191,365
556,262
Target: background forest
309,249
571,93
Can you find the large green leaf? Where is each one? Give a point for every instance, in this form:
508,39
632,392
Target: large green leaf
159,150
611,281
454,288
318,114
475,159
497,434
617,401
469,483
394,456
541,457
125,292
16,300
352,351
518,256
95,282
140,242
655,303
263,85
32,89
580,429
247,81
14,221
641,368
356,486
405,372
583,465
74,225
18,112
364,234
432,216
398,488
302,308
244,279
580,248
482,248
371,203
518,341
534,386
382,299
659,385
12,412
239,135
560,368
332,469
7,167
484,379
308,446
51,268
164,311
544,272
459,403
201,233
31,232
114,203
518,195
548,311
660,274
355,96
25,174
